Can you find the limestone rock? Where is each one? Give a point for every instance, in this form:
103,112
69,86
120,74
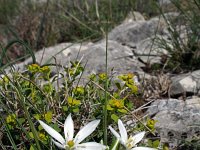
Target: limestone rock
93,55
134,16
139,36
149,52
135,31
119,57
164,2
185,84
55,54
177,119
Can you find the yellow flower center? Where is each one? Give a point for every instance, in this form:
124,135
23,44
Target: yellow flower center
70,143
11,118
117,104
130,143
73,102
42,136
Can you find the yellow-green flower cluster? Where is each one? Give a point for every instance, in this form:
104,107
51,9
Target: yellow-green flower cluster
11,119
73,102
79,90
34,68
102,76
42,136
4,80
76,69
151,124
44,70
47,116
114,104
129,81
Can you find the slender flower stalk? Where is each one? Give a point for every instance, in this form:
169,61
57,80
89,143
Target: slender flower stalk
70,143
131,142
105,113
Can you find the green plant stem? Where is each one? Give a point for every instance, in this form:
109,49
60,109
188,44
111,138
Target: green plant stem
115,145
106,94
103,89
22,103
14,146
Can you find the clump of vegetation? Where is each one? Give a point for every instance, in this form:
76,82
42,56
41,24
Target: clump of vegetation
8,10
183,41
193,144
27,97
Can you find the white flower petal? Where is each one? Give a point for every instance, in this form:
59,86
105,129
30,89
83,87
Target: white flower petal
123,132
138,137
69,128
114,133
143,148
90,146
58,144
86,131
52,132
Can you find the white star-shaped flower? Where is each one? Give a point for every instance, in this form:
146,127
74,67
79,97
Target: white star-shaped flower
131,142
70,143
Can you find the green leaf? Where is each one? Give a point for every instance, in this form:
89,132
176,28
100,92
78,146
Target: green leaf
21,120
31,135
116,95
40,128
122,111
37,116
151,124
129,105
134,89
48,116
73,102
65,108
75,110
156,143
114,117
56,127
48,88
31,148
109,107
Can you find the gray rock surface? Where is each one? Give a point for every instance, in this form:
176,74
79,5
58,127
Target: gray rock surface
148,51
139,35
134,16
164,2
93,55
119,57
135,31
176,119
185,84
59,54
